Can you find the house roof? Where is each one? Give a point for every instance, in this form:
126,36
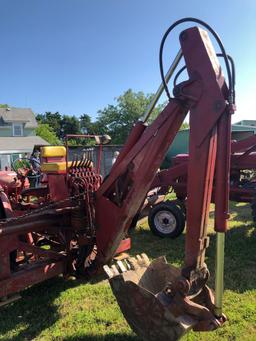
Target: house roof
24,115
11,145
247,123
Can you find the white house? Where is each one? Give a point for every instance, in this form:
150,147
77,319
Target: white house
17,134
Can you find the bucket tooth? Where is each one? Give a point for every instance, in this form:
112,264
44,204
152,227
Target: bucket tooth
121,266
108,271
115,270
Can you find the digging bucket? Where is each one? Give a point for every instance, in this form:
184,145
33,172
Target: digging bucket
142,290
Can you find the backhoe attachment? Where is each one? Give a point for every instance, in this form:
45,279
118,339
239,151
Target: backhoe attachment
159,301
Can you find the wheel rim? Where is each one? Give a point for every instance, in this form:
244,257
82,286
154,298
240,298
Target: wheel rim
165,222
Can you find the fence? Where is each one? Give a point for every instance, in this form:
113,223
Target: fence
106,157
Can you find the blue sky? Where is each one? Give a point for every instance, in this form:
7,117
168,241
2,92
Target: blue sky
76,56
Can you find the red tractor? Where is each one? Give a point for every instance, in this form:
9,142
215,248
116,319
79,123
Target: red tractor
167,218
85,223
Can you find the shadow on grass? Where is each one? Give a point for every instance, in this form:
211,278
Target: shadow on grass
35,310
108,337
240,259
239,212
240,255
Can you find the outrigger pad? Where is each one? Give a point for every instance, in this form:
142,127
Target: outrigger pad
138,285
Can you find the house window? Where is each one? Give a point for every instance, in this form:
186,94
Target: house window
17,129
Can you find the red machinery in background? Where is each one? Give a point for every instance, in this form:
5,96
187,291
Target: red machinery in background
167,218
86,221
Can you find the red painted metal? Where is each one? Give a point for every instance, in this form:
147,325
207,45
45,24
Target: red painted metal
243,158
6,205
132,139
167,176
222,175
12,183
205,92
134,173
30,276
202,145
124,245
243,145
57,186
120,196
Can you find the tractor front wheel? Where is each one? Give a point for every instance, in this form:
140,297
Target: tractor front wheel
166,219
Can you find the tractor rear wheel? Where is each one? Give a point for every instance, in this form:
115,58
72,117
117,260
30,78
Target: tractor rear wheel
166,219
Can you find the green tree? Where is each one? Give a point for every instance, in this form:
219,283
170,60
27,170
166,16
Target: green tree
60,124
47,133
69,125
4,105
52,119
184,125
117,120
86,124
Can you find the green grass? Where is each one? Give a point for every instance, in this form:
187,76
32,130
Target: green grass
72,310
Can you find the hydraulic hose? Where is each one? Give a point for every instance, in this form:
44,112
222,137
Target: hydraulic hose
217,38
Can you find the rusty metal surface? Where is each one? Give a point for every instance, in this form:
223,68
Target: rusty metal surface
30,276
152,300
136,290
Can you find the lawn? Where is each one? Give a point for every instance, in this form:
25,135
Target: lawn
72,310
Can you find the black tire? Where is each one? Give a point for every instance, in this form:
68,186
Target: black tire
166,220
182,206
134,222
253,206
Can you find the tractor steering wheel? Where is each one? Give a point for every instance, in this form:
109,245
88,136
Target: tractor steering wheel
24,168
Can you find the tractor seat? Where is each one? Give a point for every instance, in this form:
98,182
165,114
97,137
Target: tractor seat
54,160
